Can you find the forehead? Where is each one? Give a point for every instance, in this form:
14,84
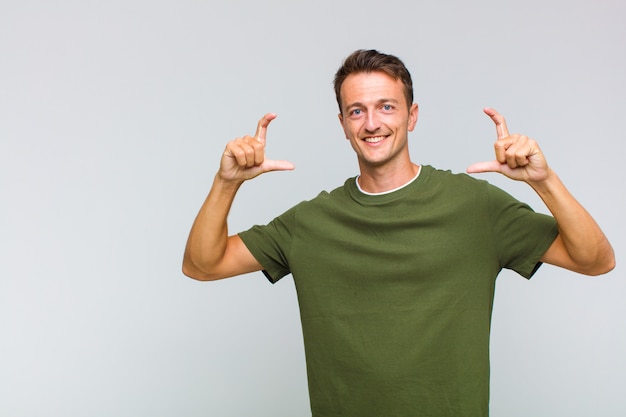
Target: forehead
366,87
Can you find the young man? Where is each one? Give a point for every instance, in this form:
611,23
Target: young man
395,270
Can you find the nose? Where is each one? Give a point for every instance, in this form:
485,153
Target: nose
372,122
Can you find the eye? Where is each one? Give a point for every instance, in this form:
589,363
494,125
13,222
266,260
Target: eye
356,112
387,107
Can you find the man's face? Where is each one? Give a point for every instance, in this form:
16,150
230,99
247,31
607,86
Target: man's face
376,118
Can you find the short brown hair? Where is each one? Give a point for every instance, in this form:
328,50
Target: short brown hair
371,61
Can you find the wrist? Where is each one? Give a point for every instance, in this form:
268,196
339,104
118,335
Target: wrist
547,182
550,189
225,184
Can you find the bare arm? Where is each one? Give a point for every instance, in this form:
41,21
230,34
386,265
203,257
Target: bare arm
210,252
581,245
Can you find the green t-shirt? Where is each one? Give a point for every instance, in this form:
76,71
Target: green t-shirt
396,290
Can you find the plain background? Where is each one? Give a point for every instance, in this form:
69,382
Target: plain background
113,117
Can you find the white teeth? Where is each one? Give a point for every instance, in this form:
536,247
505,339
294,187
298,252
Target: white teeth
374,139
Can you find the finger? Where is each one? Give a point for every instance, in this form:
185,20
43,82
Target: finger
246,151
518,160
261,128
514,151
240,151
491,166
257,151
254,154
501,148
498,119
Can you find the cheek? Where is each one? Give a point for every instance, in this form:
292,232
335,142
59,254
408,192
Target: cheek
350,129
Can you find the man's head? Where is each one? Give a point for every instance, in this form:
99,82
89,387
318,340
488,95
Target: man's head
366,61
377,112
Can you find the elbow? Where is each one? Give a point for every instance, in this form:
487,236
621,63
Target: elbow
602,266
198,275
194,271
608,263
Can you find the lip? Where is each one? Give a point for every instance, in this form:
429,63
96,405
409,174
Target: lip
374,139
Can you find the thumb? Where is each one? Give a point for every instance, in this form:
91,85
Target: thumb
272,165
491,166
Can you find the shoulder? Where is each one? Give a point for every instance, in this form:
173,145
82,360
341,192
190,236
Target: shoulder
446,180
326,197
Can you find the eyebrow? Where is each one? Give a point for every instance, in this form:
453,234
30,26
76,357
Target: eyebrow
381,101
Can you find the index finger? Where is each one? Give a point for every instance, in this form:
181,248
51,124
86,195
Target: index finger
261,127
498,119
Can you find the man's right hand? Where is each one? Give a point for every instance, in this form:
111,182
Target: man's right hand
244,158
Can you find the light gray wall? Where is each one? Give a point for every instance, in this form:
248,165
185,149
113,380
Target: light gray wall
113,116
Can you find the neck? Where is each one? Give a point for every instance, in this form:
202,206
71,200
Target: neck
382,179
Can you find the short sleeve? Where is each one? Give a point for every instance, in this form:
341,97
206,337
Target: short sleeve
522,235
270,244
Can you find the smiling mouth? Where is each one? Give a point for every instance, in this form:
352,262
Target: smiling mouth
374,139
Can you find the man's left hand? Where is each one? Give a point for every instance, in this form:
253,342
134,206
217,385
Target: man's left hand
517,156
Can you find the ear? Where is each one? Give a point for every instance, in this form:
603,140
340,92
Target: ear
413,112
342,125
